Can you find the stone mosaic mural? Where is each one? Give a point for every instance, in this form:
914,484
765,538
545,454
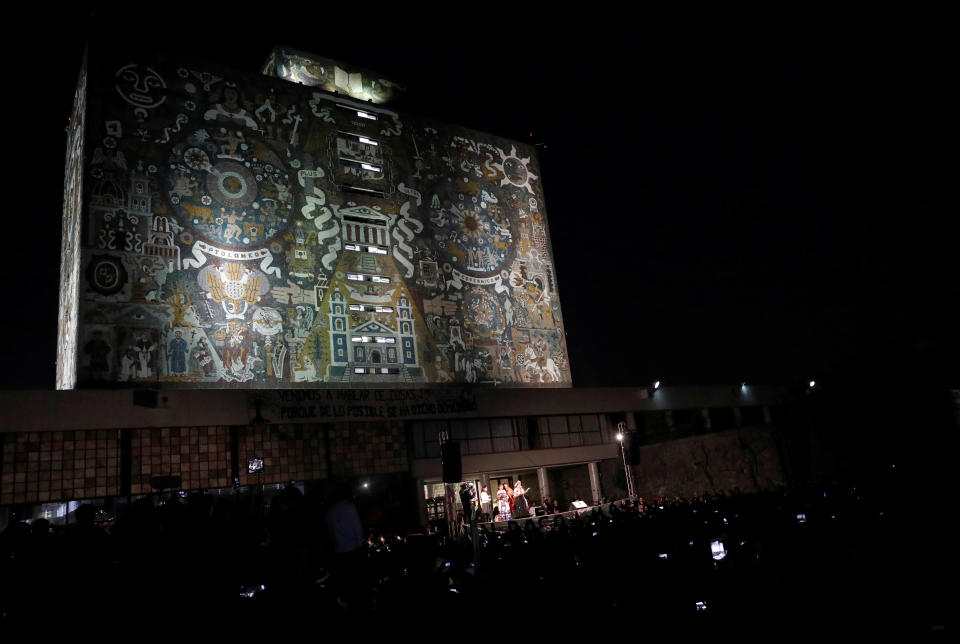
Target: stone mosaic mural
243,230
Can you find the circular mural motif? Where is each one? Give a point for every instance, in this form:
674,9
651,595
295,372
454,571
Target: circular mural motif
483,313
232,184
106,274
230,188
515,171
477,240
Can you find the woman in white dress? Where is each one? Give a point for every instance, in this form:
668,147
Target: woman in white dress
486,508
503,504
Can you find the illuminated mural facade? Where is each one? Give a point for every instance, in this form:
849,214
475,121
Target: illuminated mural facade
241,230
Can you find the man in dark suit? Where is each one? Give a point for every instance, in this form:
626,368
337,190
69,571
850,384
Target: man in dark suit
468,498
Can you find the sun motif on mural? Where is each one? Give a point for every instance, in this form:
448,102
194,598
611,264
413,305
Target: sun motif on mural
230,187
516,170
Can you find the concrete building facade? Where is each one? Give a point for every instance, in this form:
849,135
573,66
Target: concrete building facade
561,443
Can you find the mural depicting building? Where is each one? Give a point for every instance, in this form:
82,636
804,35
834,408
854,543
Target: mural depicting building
238,229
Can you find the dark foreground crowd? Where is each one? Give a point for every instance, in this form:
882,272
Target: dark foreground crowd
792,560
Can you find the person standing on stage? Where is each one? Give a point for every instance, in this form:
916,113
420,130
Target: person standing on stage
503,504
486,509
468,499
520,506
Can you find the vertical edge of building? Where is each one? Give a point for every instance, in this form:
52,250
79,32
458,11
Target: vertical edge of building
555,287
70,238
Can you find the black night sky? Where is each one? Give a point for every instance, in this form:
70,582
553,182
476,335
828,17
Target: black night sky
725,204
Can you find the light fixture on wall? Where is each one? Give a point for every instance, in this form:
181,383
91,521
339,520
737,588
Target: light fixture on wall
621,428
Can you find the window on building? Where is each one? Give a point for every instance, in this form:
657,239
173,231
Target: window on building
559,431
369,308
656,428
478,437
362,277
722,418
686,422
359,148
347,187
376,370
590,429
752,415
486,436
358,113
504,435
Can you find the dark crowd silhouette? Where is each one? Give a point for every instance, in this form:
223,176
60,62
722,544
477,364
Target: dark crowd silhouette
789,559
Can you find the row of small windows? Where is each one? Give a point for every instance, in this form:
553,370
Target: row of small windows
357,219
486,436
658,426
361,113
361,169
379,339
378,250
359,156
357,146
376,370
346,187
370,308
360,277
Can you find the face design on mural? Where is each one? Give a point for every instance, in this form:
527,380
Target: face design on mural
140,86
516,170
